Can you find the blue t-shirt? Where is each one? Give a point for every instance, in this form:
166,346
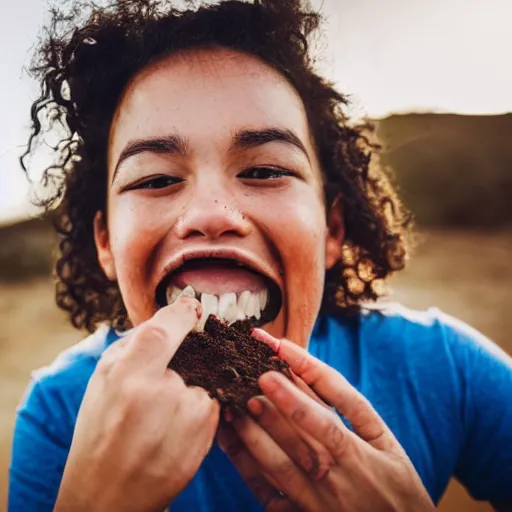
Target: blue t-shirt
443,389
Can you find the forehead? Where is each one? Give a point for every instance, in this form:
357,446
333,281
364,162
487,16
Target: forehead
205,93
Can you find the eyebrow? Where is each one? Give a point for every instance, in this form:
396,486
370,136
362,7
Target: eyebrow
170,144
245,139
179,145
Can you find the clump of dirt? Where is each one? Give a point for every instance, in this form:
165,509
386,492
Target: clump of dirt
226,361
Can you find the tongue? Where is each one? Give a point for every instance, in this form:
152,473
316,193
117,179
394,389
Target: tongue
218,279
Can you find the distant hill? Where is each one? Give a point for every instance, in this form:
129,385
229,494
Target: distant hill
453,171
26,250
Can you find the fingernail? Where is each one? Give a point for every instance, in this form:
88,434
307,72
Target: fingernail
267,338
255,406
188,292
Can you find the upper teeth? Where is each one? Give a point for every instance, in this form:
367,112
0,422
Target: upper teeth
229,307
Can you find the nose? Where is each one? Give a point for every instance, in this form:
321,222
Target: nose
212,215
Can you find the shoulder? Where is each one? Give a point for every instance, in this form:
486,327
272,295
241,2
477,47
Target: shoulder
62,384
431,333
421,349
461,379
45,423
442,360
393,318
430,374
76,363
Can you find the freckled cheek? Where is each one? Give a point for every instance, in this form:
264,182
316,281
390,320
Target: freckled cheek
133,244
302,229
134,232
298,231
299,235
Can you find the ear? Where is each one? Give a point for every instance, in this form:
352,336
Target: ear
335,234
102,241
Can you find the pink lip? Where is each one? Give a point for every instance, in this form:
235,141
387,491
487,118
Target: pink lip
243,257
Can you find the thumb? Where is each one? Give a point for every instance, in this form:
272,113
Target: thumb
153,344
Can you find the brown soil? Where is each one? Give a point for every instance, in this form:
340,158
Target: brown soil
227,362
464,273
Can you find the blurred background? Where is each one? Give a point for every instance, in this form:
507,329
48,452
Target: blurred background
435,77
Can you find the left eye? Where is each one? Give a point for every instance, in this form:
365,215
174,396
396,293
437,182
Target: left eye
158,182
264,173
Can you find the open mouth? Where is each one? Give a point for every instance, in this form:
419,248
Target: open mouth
226,288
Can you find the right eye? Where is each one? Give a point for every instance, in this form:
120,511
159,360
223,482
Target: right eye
157,182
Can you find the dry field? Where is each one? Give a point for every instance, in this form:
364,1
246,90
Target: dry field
466,274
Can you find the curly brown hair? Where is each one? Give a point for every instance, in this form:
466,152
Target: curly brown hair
85,60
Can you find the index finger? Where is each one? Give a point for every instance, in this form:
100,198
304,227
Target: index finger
336,390
153,344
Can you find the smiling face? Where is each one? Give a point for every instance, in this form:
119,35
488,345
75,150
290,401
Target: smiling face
211,159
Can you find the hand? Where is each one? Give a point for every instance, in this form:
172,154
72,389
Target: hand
141,434
300,448
267,494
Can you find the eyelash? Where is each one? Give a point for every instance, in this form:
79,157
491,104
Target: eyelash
273,173
163,181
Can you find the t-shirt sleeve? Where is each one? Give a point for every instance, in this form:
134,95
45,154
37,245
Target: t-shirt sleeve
40,447
484,465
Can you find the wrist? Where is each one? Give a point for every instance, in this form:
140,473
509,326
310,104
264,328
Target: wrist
74,496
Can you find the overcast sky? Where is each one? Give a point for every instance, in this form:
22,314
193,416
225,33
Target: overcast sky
391,55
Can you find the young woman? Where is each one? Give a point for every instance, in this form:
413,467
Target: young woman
204,151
